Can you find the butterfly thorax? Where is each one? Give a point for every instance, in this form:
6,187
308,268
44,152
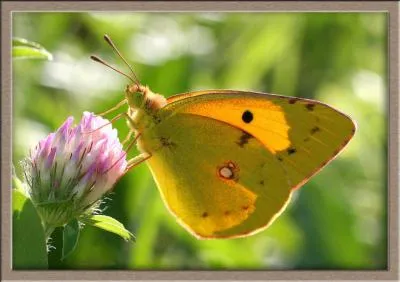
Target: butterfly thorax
144,115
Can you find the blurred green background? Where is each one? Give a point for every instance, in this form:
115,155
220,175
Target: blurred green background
338,220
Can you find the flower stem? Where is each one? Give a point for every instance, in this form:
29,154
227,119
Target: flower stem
48,230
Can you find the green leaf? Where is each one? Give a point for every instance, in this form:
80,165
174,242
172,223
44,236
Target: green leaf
24,49
29,243
17,41
70,238
109,224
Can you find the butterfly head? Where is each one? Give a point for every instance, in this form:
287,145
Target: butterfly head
143,106
141,97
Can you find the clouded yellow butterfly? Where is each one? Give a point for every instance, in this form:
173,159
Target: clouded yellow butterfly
226,162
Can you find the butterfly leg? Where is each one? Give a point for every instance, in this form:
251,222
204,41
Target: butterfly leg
132,142
140,158
131,122
117,117
137,160
131,131
127,137
116,107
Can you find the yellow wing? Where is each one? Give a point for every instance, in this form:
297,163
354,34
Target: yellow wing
303,134
226,162
214,185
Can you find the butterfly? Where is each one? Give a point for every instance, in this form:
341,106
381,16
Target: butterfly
226,162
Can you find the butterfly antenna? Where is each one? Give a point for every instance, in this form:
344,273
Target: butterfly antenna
97,59
109,41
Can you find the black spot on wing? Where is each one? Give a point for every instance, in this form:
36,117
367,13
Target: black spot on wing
247,116
310,107
244,139
291,151
293,100
204,215
166,142
315,129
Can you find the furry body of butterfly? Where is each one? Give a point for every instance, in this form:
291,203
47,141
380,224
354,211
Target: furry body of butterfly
226,162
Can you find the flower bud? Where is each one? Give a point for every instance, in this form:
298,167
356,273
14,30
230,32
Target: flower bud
69,170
